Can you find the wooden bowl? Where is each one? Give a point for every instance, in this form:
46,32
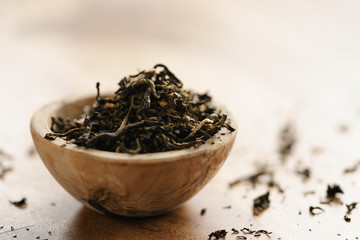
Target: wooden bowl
126,184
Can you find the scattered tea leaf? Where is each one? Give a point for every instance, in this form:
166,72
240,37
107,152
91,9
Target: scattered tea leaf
351,207
306,173
241,237
259,232
218,234
203,211
347,219
20,203
256,233
287,141
333,190
247,231
316,210
253,178
352,169
261,203
272,183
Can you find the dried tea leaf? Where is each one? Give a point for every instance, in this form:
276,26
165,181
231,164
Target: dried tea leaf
333,190
261,203
306,173
351,207
241,238
352,169
21,203
316,210
253,178
150,112
203,211
217,234
256,233
287,140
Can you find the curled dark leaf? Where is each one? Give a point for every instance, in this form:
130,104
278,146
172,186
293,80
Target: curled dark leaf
261,203
287,140
347,219
218,234
151,105
333,190
203,211
315,210
20,203
351,207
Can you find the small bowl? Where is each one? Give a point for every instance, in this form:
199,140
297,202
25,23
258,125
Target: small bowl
136,185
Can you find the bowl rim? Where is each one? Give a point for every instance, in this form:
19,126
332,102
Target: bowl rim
39,125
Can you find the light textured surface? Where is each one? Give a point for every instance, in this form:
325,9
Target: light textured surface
268,61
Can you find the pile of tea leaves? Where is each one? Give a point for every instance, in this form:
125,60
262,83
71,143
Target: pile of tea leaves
150,112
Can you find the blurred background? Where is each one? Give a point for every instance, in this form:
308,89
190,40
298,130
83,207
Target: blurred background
247,54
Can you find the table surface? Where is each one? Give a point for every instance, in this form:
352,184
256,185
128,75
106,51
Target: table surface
271,62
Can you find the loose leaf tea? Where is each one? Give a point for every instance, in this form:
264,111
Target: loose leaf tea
306,173
261,203
351,207
261,231
203,211
287,140
150,112
352,169
272,183
316,210
218,234
241,238
333,190
247,231
256,233
253,179
20,203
